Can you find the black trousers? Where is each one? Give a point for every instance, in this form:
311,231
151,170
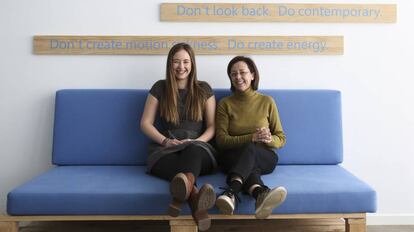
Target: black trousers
192,159
248,162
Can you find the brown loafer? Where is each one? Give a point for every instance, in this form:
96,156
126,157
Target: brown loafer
180,189
200,201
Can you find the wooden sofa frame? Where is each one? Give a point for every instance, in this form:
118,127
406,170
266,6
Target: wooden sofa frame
354,222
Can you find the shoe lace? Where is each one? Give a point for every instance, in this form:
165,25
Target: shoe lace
230,192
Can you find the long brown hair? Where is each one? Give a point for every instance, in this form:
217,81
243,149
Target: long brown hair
194,102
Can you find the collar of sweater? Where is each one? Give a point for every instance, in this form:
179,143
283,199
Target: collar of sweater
245,95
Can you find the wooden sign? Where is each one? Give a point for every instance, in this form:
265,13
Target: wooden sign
202,45
295,13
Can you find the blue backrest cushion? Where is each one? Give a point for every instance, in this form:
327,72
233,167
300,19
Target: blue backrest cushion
101,127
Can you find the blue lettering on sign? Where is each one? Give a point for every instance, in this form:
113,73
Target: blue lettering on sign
284,11
263,11
330,12
57,44
187,11
146,45
265,45
234,44
316,46
233,11
54,44
102,44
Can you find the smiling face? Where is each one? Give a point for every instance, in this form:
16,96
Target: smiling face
241,77
181,65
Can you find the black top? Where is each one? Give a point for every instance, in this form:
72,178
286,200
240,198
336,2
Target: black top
185,129
194,128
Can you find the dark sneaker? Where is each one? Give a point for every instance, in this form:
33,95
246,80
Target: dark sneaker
226,202
268,200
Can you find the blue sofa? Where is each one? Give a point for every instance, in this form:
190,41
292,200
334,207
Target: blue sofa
100,174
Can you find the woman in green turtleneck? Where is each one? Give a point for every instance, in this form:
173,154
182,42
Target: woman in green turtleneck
248,128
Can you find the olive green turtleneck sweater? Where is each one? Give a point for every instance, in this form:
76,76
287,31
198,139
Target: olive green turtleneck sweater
240,114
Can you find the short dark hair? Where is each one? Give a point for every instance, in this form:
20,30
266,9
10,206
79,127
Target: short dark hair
252,68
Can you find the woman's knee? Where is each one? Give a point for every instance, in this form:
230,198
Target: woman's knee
268,162
193,149
194,154
248,151
276,159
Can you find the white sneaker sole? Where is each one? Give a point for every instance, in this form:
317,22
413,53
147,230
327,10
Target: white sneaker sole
273,199
224,204
207,197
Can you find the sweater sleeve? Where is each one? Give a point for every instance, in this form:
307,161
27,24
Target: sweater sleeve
223,139
275,126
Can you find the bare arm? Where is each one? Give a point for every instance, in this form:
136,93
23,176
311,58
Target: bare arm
148,118
147,122
210,112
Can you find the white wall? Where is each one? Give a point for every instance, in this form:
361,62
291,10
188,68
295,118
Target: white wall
375,76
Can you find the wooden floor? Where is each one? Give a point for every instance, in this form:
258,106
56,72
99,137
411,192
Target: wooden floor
217,226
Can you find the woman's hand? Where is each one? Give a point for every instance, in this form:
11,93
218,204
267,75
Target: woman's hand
172,142
187,140
262,135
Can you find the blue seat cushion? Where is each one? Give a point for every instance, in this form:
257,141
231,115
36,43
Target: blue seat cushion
128,190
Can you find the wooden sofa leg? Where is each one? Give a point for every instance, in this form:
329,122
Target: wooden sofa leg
355,225
9,227
185,225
